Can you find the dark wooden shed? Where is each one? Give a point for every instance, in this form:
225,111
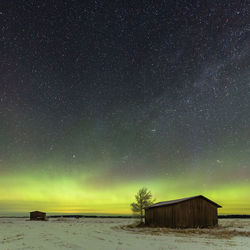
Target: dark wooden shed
37,215
191,212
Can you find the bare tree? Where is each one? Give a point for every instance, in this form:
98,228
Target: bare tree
143,199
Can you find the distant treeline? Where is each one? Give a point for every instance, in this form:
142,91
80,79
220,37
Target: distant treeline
229,216
90,216
234,216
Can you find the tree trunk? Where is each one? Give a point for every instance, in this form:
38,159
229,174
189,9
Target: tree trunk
141,215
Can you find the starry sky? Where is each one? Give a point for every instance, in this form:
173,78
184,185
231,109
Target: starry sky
101,98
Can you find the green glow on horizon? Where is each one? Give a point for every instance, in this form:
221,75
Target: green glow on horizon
71,194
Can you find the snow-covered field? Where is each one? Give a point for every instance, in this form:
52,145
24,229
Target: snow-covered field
106,233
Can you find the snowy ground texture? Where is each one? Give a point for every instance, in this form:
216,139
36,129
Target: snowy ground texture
92,233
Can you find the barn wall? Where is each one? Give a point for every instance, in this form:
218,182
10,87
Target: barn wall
196,213
160,216
191,213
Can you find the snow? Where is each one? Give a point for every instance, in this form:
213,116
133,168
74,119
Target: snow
107,233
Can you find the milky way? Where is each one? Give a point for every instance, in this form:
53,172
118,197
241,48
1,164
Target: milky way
98,99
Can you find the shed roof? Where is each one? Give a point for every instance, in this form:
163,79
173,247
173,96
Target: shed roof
172,202
37,212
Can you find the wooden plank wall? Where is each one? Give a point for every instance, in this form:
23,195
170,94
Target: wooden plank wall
191,213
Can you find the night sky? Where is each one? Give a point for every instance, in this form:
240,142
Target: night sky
101,98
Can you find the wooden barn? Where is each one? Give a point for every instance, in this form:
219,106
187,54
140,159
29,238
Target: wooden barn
191,212
37,215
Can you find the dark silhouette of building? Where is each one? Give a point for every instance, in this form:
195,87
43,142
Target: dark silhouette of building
191,212
37,215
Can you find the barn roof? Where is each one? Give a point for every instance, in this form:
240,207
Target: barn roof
168,203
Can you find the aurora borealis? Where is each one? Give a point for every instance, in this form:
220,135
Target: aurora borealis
101,98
